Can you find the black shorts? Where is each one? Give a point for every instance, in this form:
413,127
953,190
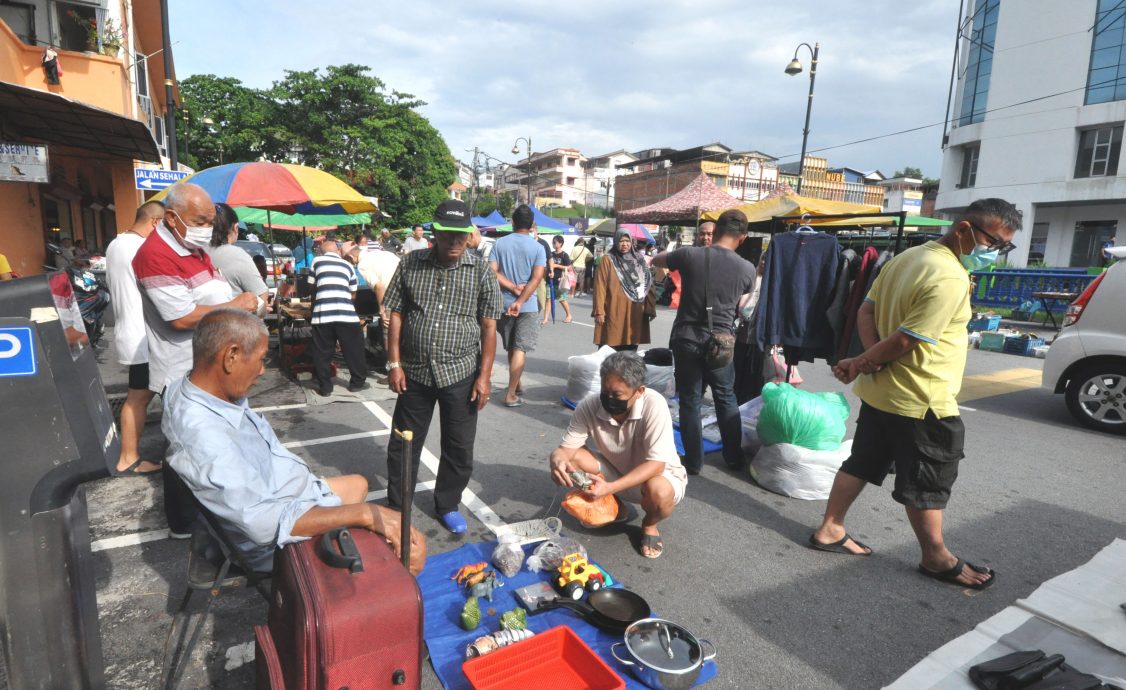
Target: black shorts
139,376
925,453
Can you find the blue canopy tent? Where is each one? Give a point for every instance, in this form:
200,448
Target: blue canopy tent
546,222
492,220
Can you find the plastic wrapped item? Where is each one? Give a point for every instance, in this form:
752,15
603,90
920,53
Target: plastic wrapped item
490,643
798,472
810,420
583,377
508,556
748,415
591,512
549,555
660,379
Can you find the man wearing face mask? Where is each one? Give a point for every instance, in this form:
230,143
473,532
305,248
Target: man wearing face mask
913,327
179,286
633,456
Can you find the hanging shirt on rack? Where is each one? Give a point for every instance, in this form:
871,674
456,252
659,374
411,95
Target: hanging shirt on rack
848,265
856,297
797,286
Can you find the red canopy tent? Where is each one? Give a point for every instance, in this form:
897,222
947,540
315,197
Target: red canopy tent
684,207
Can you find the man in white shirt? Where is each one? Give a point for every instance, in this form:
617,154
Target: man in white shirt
129,336
634,457
416,240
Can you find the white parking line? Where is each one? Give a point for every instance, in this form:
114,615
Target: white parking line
580,323
475,505
275,408
967,409
337,439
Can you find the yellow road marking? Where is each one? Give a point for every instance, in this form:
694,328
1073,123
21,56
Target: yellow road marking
998,383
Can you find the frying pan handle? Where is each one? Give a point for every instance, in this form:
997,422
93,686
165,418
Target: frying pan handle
577,606
707,657
614,651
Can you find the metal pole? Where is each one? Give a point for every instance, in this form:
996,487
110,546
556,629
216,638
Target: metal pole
169,110
808,109
529,171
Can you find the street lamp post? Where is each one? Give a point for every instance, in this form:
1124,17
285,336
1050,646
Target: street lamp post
795,68
528,171
187,134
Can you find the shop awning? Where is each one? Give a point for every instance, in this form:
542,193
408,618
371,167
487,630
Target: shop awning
29,114
794,205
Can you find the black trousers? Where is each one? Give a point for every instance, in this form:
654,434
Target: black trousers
458,424
351,339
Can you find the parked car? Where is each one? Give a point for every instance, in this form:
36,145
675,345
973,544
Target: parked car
1087,361
273,265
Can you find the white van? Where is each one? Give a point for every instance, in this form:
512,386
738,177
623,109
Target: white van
1087,361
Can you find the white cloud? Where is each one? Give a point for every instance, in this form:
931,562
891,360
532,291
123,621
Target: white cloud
601,75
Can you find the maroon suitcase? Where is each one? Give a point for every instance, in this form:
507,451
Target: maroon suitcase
333,628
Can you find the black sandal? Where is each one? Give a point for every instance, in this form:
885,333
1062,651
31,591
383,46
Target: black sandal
951,576
839,546
131,471
653,543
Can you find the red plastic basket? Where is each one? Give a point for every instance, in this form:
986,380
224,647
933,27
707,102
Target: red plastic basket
552,660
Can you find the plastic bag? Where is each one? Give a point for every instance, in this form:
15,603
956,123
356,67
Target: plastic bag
508,556
549,555
582,374
748,415
798,472
591,512
810,420
660,379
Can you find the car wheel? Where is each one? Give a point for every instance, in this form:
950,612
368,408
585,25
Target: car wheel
1096,396
593,585
574,590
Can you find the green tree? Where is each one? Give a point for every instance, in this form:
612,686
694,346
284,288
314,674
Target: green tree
484,204
241,122
506,204
909,171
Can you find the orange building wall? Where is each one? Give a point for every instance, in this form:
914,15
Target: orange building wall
21,227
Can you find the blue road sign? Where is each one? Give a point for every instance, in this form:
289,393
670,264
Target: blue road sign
17,352
154,180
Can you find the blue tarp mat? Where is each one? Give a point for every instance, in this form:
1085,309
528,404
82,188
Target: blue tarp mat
443,599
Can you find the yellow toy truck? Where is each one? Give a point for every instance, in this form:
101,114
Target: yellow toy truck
576,574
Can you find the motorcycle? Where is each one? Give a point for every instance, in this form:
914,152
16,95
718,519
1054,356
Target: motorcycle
93,299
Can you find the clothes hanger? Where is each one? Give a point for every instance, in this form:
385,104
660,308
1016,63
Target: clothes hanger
804,228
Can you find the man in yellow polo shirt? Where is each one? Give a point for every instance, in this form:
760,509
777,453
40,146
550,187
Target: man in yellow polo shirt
913,327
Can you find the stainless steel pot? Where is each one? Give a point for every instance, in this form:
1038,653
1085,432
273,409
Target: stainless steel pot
663,655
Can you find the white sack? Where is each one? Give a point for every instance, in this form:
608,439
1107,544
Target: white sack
798,472
582,374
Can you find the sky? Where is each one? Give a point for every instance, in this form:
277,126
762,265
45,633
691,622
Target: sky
603,75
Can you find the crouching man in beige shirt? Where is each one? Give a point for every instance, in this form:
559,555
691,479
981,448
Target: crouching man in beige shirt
630,431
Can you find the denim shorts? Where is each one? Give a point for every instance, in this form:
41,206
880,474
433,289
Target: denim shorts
925,453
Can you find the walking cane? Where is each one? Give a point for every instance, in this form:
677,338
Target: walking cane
407,490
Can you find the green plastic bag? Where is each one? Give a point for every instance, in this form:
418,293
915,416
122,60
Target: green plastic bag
810,420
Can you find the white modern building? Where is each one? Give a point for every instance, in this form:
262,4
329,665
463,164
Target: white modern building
903,194
1039,102
601,176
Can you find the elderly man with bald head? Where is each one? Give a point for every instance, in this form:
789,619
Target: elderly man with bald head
231,459
179,286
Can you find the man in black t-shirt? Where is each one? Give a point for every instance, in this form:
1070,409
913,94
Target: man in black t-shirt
730,279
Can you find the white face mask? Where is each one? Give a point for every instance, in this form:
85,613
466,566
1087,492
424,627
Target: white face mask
196,236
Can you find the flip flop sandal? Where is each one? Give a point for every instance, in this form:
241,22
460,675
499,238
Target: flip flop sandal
839,546
518,402
951,576
653,543
131,471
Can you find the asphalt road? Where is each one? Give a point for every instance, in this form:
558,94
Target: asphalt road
1037,496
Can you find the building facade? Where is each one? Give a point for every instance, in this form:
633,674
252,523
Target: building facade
752,175
70,139
657,174
1039,104
550,179
601,177
903,194
820,181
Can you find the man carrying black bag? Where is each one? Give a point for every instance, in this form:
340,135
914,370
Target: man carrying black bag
715,283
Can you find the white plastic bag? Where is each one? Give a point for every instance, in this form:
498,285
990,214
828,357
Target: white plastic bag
508,556
582,374
660,379
748,414
798,472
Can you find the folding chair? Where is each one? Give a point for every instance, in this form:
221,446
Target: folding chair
204,574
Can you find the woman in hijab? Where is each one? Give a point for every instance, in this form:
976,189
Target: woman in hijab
624,300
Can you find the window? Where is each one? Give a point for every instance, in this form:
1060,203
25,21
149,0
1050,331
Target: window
970,155
73,22
142,72
1098,152
1038,245
979,63
1106,75
1087,243
20,18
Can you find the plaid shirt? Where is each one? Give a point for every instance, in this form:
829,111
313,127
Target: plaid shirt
440,340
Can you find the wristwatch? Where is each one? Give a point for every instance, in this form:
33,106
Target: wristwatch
394,365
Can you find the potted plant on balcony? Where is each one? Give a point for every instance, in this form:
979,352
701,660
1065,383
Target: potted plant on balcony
89,25
111,39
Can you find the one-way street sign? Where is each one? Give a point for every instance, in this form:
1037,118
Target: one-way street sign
154,180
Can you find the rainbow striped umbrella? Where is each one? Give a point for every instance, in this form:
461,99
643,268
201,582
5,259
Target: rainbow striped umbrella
279,187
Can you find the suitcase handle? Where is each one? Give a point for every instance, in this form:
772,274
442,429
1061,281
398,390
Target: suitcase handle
347,556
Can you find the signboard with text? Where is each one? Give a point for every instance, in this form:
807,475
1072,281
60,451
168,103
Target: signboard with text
155,180
24,163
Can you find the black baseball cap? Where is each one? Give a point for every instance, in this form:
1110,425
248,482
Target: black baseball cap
452,215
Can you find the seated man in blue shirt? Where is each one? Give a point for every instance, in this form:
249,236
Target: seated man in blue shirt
235,465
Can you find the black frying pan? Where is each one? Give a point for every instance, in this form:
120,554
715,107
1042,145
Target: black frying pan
612,610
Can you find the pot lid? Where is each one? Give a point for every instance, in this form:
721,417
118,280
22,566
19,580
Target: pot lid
663,646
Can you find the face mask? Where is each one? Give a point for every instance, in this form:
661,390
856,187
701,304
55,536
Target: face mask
613,405
197,236
981,257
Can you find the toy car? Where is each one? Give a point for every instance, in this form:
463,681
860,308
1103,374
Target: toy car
576,574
